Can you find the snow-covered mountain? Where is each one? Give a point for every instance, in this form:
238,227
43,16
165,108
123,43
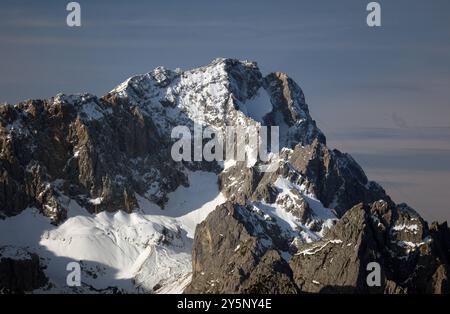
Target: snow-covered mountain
92,180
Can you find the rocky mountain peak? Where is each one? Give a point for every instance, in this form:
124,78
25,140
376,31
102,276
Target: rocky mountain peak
225,92
100,171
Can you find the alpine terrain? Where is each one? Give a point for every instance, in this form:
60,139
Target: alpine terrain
92,180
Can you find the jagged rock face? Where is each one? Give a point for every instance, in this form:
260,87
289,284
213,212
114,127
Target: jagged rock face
441,232
393,236
231,248
20,271
243,261
81,148
335,178
290,108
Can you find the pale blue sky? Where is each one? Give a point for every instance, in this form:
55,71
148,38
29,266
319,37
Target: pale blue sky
375,92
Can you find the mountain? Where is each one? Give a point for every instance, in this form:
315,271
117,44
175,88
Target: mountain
93,180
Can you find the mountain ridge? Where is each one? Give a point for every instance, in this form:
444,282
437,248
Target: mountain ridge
81,160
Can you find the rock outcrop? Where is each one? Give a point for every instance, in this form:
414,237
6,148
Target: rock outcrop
233,247
395,237
20,271
243,260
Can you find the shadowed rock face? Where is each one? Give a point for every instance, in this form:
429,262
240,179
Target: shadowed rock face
81,148
333,177
289,102
20,271
229,255
311,225
395,237
242,262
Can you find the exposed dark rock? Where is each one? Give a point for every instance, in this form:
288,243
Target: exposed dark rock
83,148
20,271
289,101
232,249
233,253
336,179
396,238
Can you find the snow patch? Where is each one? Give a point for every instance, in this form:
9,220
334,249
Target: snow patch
412,228
96,201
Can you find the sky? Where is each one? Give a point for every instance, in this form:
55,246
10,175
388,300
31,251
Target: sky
381,94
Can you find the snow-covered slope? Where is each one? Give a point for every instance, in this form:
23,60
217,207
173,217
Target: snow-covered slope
134,252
